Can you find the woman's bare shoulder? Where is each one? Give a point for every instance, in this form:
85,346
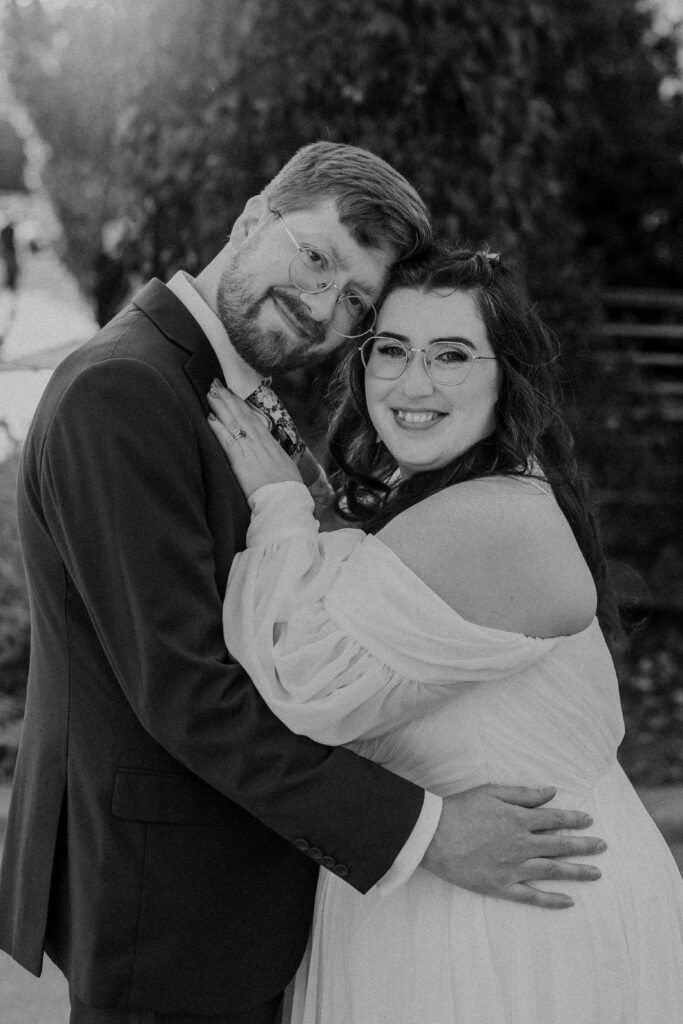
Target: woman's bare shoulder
500,552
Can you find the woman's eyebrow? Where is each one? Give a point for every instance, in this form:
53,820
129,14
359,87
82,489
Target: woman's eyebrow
402,337
457,338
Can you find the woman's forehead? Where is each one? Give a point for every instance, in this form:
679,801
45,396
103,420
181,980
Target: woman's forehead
433,313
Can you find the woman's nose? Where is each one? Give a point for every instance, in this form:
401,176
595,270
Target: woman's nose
415,380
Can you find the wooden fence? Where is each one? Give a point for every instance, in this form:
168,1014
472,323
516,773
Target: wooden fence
640,344
645,325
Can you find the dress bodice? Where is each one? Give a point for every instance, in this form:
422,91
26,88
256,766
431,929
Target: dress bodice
348,645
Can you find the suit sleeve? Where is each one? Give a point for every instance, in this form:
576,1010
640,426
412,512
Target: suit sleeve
124,496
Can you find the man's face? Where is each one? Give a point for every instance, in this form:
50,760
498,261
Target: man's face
272,324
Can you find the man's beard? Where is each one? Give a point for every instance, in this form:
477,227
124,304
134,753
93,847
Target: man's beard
267,351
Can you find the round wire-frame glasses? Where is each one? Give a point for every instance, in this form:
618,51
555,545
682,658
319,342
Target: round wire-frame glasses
313,271
445,362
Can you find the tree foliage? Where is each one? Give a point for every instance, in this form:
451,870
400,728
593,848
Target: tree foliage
14,617
552,131
539,127
69,69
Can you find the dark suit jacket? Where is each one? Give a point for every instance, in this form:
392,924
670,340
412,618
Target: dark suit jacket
165,829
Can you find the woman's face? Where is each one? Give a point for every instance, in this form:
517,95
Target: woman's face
426,424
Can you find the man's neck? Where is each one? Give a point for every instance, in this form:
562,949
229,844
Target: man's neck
207,280
244,380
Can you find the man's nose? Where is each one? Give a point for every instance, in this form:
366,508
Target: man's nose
415,380
320,305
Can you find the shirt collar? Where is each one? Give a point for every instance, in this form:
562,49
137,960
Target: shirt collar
244,379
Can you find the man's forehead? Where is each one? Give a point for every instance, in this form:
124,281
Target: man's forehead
322,219
323,228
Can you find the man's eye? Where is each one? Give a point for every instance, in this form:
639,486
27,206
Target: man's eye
315,259
355,302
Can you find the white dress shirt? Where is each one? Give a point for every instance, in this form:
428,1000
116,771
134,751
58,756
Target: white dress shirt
244,380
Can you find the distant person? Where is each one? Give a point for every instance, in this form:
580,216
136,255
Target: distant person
454,640
166,830
8,252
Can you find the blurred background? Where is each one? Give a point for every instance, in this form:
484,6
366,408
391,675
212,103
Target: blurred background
133,131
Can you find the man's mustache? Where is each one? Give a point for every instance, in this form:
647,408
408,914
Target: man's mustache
313,331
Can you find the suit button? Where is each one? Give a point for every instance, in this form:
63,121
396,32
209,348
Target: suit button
301,844
341,870
315,854
327,862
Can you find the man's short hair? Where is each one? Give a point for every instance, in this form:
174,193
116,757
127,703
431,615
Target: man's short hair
375,203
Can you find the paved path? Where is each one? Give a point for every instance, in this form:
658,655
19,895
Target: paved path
46,319
48,313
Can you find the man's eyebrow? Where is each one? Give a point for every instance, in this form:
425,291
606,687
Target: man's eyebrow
363,286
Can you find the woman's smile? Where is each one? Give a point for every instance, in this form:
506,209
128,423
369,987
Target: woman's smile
425,424
417,419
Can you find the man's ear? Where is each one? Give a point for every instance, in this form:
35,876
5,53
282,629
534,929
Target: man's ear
254,214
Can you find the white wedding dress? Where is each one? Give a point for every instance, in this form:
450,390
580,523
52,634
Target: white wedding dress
349,646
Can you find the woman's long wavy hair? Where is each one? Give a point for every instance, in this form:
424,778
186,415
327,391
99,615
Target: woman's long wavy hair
530,436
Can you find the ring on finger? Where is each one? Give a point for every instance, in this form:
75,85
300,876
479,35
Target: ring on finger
237,434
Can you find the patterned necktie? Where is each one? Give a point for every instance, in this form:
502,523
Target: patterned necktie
284,429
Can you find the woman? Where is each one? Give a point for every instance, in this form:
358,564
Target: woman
454,638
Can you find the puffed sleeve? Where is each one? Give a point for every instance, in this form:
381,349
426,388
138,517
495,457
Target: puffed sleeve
341,638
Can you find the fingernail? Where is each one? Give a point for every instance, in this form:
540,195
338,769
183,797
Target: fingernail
602,846
216,383
587,821
211,417
595,874
567,902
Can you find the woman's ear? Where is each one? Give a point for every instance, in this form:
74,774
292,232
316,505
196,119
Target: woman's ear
254,214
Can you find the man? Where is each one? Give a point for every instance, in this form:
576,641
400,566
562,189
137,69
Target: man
166,830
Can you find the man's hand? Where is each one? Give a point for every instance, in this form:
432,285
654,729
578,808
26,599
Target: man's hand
494,840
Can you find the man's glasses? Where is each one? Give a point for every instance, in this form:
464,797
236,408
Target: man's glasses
314,271
446,362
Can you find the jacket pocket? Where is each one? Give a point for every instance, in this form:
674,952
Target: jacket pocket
169,798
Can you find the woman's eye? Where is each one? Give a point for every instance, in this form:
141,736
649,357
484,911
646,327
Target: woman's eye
390,350
450,354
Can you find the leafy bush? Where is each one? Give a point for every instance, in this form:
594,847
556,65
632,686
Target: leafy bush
651,682
14,619
14,616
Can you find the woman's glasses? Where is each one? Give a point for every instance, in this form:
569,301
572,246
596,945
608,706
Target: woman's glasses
446,362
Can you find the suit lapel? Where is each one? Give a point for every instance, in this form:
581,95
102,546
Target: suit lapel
172,318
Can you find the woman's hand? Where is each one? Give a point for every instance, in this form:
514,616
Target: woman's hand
255,456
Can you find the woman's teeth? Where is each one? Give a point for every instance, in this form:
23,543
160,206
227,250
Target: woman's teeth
416,417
